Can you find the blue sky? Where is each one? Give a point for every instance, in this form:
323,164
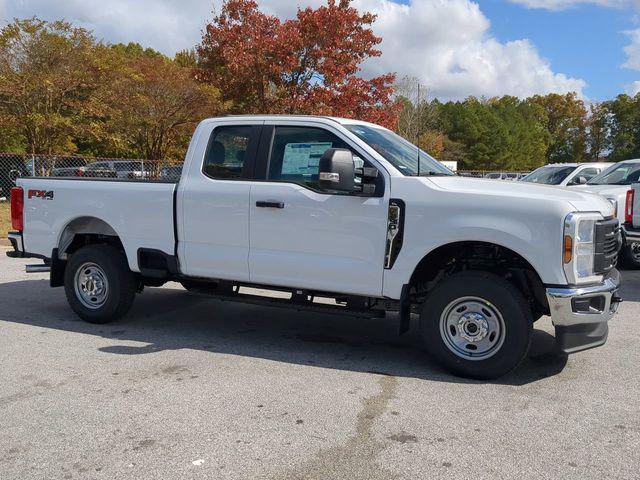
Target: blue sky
584,41
455,48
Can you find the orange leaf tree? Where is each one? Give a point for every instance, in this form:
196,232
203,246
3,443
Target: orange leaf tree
305,65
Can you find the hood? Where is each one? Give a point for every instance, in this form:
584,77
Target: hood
580,200
617,193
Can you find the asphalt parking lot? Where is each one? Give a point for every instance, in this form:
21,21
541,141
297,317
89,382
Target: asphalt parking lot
188,387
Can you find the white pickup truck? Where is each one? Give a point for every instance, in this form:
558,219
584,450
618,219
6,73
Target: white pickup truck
616,185
345,217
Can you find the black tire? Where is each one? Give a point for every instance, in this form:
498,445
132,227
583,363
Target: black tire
120,280
629,260
508,347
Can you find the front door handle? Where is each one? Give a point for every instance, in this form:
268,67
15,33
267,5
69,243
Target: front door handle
263,204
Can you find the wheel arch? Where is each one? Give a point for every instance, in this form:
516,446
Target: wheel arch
86,230
480,256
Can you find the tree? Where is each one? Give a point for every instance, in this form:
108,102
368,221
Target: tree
305,65
624,127
149,107
46,72
566,124
418,115
597,124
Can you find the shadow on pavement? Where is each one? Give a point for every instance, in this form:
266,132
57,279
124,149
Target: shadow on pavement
172,319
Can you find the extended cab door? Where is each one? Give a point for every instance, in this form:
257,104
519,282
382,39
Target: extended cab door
213,202
303,237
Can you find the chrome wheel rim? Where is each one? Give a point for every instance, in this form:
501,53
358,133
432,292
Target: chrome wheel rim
472,328
91,285
635,251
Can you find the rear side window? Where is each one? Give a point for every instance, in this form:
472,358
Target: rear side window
227,152
296,152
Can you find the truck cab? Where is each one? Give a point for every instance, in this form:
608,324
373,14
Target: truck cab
344,217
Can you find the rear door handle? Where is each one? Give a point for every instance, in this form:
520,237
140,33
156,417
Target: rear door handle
263,204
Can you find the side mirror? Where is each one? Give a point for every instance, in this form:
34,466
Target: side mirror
581,181
337,172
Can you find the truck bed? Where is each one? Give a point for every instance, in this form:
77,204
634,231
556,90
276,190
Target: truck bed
140,212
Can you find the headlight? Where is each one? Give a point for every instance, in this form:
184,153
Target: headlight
579,248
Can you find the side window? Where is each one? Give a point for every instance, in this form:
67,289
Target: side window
225,157
589,173
296,152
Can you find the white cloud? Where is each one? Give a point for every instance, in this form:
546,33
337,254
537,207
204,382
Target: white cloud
633,88
447,44
564,4
165,25
633,50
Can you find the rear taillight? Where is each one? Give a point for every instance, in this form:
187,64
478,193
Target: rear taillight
17,207
628,207
79,172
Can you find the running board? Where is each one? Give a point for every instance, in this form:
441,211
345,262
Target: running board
296,301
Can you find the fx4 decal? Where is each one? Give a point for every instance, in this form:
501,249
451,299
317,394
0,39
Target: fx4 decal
43,194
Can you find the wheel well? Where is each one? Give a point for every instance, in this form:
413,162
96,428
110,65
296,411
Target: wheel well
87,231
480,256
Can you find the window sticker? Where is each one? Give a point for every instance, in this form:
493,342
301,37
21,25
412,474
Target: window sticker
303,158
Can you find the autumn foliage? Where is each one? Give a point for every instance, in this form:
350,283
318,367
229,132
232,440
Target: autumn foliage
305,65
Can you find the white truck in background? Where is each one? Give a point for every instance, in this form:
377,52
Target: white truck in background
616,185
332,208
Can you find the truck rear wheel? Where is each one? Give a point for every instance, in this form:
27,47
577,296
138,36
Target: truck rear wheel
98,283
476,325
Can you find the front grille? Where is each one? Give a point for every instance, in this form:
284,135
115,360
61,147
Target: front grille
607,245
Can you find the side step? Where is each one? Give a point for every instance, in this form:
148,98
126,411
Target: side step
37,268
296,300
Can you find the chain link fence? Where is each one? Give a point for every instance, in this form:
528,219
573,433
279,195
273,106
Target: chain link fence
13,166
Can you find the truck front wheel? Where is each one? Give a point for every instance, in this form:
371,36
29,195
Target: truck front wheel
631,255
476,325
98,283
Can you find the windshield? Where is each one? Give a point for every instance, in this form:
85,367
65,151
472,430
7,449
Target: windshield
549,175
399,152
618,174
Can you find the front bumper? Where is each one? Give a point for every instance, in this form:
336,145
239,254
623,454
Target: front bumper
580,314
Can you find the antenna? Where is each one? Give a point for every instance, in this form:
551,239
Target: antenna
418,139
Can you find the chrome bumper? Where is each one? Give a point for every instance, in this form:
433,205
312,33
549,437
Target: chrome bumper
580,314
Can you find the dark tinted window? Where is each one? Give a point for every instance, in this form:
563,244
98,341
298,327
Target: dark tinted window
619,174
296,151
226,153
549,175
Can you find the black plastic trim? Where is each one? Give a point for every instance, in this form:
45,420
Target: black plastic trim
58,267
397,245
166,267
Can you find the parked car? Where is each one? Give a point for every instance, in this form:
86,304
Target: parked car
502,176
566,174
11,168
615,184
171,174
130,169
67,166
97,170
343,210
